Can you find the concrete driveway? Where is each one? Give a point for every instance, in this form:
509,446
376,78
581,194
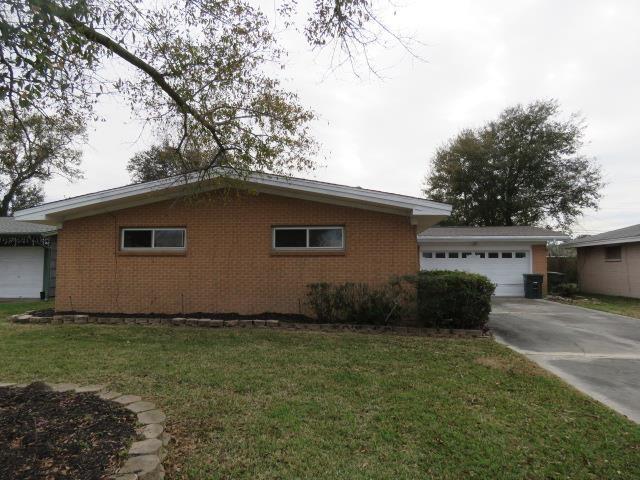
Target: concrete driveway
596,352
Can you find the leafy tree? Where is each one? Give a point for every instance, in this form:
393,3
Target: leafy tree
32,150
204,68
162,161
525,168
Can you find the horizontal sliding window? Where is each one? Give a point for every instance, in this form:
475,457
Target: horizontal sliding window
312,238
153,239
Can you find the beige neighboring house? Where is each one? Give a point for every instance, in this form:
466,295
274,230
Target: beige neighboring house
609,263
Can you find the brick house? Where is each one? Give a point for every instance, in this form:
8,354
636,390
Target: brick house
169,247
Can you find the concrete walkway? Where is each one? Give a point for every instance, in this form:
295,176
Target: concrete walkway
596,352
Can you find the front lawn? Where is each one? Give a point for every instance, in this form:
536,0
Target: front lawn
607,303
257,404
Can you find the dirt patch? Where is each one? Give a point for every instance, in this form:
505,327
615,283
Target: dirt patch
53,435
515,366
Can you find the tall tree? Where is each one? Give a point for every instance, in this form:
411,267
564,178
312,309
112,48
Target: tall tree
204,68
525,168
33,150
162,161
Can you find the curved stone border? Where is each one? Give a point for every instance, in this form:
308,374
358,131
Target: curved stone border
217,323
144,459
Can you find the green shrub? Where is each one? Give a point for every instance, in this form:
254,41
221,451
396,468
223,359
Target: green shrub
568,290
360,303
453,299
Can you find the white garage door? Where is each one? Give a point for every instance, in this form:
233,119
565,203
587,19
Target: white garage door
503,267
21,270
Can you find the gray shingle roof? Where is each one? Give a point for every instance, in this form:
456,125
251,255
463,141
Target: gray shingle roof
621,235
521,231
9,226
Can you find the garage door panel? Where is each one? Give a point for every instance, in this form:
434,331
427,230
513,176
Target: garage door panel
21,272
506,273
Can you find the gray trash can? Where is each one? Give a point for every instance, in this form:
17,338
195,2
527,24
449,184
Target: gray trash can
533,285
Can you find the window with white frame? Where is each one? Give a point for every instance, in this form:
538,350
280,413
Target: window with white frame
173,239
308,238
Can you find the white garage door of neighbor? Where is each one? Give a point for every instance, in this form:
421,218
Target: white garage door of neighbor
503,267
21,270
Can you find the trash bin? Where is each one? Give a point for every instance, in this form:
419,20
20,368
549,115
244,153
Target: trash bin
555,279
533,285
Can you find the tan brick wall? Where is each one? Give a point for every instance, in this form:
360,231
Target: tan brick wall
597,275
539,263
228,265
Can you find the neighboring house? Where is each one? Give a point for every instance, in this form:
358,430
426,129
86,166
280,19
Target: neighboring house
503,254
609,263
163,247
27,259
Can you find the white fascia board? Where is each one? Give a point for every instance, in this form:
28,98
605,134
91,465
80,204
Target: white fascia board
598,243
492,238
148,192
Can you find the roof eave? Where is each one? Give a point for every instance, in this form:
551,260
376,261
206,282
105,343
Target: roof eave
608,241
494,238
55,213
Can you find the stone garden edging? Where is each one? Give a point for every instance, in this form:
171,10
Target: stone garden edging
144,458
217,323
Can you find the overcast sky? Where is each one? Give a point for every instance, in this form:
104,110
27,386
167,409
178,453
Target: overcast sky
482,56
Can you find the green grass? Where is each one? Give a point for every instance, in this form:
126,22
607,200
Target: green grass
11,307
607,303
257,404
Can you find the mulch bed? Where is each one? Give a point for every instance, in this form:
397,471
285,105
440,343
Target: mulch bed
48,435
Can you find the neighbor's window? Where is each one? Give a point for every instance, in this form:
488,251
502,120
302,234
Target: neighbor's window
493,255
441,255
153,238
453,254
521,254
613,254
427,254
321,238
507,254
466,254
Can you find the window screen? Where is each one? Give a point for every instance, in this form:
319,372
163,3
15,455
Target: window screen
168,238
325,238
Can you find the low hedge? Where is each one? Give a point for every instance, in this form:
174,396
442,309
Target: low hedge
453,299
361,303
436,299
